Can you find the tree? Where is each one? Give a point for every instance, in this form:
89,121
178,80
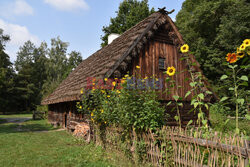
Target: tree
129,14
58,65
213,28
6,76
74,60
26,82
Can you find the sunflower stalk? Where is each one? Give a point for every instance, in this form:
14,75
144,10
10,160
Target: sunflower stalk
197,82
236,102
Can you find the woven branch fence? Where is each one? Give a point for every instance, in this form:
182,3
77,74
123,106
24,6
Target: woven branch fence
178,147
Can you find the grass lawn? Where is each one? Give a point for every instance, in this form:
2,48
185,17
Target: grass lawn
22,146
219,123
2,121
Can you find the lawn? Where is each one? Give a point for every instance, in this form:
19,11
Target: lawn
21,145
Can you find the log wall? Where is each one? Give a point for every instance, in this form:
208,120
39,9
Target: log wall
61,114
148,60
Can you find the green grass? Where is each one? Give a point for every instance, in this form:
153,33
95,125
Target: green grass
22,146
219,123
16,116
3,121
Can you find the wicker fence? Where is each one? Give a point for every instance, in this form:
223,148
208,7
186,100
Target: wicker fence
175,147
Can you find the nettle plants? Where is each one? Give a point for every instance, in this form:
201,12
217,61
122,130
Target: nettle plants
235,80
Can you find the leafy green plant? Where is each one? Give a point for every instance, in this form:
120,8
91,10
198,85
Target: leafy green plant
198,100
236,80
129,108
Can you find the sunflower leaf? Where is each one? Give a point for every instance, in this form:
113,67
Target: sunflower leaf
187,94
206,106
192,84
240,101
190,122
201,96
209,92
247,117
196,104
169,103
223,99
223,77
193,101
176,97
244,78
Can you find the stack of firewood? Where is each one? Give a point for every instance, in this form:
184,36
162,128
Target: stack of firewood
81,130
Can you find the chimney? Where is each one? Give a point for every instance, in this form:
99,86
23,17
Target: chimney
112,37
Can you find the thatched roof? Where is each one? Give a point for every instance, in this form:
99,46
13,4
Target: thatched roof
107,61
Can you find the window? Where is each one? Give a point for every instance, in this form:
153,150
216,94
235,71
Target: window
162,63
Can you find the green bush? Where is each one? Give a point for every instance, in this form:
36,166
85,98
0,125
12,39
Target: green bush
129,108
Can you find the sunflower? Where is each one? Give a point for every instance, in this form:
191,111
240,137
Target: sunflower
184,48
242,47
246,42
240,54
171,71
248,50
231,57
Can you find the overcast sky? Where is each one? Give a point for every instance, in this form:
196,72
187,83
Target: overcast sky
78,22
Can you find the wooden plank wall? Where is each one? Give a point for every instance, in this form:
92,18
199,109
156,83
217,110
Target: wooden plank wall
148,60
57,113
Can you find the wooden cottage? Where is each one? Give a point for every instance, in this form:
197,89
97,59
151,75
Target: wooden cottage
153,44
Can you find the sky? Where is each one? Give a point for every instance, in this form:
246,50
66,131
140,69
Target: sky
78,22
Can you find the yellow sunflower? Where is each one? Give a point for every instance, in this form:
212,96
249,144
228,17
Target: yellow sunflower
240,54
242,47
246,42
248,50
171,71
231,57
185,48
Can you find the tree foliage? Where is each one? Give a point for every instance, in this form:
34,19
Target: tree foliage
39,70
6,75
130,12
213,28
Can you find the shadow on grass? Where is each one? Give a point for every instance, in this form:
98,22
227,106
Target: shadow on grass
28,126
2,121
